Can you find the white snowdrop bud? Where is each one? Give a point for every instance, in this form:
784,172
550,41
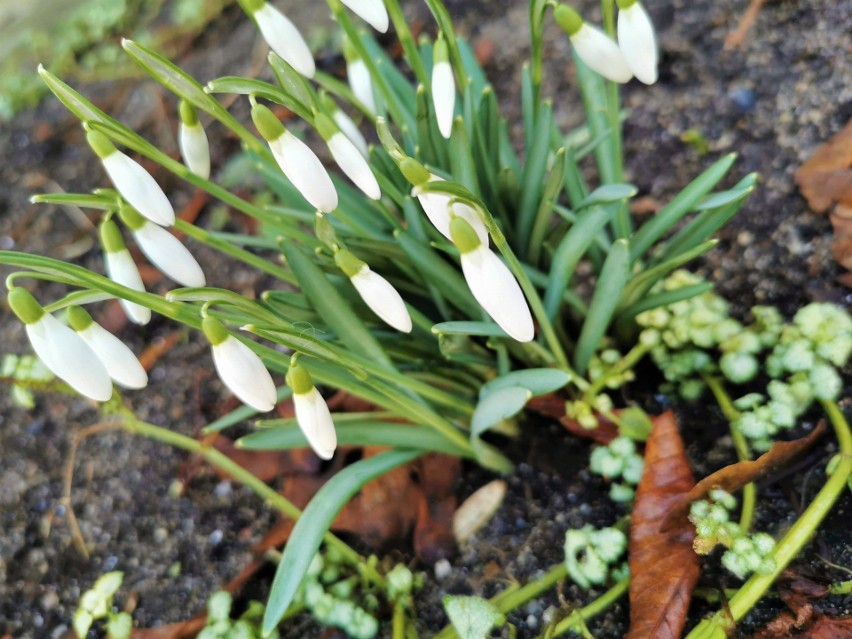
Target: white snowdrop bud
301,166
239,367
637,40
283,37
373,12
61,349
312,412
163,249
132,181
382,298
194,147
359,78
348,157
122,365
121,269
492,283
595,48
443,88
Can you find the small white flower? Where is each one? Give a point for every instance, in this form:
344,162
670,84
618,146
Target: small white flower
345,124
194,147
382,298
372,12
353,164
361,83
304,169
443,89
637,42
314,419
437,207
239,368
121,269
601,54
164,250
284,38
120,362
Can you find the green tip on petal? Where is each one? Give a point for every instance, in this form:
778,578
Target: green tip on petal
100,144
327,103
214,331
267,124
414,172
625,4
24,305
78,319
441,52
131,217
298,378
464,237
325,126
348,263
567,18
111,238
251,6
187,112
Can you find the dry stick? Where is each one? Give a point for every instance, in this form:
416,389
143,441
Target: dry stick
736,38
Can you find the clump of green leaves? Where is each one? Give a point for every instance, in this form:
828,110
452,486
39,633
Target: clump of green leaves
220,625
591,555
96,604
618,460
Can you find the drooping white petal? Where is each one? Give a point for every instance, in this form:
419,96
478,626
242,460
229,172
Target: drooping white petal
601,53
284,38
444,96
304,169
437,209
121,268
243,372
314,419
69,357
194,148
138,187
372,12
120,362
498,292
353,164
637,42
345,124
382,298
170,256
361,83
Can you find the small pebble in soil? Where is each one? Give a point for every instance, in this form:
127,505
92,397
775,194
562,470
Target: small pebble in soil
532,622
744,99
216,536
223,489
443,569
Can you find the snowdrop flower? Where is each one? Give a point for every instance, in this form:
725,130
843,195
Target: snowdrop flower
163,249
239,367
594,47
443,88
121,269
61,349
348,157
439,208
312,412
372,12
282,36
345,123
359,77
133,182
382,298
296,160
194,148
120,362
637,40
492,283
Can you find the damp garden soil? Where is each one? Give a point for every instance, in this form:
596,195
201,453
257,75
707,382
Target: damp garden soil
773,101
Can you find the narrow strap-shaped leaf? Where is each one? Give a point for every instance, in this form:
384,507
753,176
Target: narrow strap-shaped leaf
292,82
82,200
538,381
613,278
461,158
702,227
315,521
664,298
431,151
242,413
544,216
250,86
481,329
593,92
534,172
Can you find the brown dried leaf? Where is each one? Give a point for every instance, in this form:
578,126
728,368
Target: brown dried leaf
733,477
663,565
822,628
553,406
826,177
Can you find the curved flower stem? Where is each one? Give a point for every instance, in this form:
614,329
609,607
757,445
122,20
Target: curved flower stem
740,445
795,539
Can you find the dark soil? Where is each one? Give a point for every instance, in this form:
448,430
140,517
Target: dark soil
773,101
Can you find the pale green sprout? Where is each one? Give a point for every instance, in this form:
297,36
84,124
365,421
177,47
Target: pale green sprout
618,460
96,604
590,554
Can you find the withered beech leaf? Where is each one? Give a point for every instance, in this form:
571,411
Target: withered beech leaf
826,176
553,406
663,565
822,628
733,477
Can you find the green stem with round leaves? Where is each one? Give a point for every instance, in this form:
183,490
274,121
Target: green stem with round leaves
633,357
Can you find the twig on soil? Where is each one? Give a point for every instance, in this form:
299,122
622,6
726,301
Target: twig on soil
737,37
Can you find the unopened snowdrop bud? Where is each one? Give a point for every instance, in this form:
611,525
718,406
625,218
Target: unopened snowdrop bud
382,298
348,157
345,123
301,166
131,180
594,47
637,40
443,88
61,349
359,77
312,412
194,148
121,268
492,283
120,362
239,367
282,36
163,249
372,12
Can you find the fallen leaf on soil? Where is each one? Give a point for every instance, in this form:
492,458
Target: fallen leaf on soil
663,565
797,591
785,627
553,406
478,509
733,477
158,348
